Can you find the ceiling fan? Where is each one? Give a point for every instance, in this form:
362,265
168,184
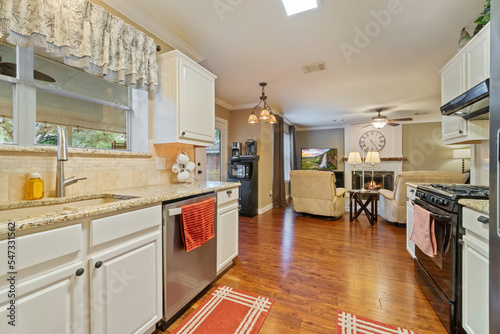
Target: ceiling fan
10,70
380,121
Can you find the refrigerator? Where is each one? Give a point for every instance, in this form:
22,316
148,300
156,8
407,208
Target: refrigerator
494,294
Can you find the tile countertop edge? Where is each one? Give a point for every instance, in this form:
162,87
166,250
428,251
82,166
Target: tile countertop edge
141,196
476,204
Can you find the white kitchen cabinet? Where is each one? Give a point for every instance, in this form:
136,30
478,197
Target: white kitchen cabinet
227,228
475,271
184,107
63,289
410,245
468,68
126,283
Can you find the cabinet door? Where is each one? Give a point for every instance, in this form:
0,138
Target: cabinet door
51,303
410,245
478,59
475,286
197,104
453,127
227,236
126,287
453,81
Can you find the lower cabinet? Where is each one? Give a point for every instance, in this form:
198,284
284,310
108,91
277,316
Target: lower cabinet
410,245
227,228
70,281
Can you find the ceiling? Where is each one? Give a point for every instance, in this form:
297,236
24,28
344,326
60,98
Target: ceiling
245,42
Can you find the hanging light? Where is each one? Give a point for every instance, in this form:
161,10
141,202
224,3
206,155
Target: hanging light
265,112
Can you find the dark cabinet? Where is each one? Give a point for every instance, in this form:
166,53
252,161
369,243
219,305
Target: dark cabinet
244,170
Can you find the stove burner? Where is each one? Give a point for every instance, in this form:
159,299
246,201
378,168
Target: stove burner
462,189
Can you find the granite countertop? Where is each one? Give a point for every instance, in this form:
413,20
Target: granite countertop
482,205
129,198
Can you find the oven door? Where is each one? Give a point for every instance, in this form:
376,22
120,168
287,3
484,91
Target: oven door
442,267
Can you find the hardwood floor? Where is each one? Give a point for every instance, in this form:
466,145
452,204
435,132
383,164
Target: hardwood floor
314,267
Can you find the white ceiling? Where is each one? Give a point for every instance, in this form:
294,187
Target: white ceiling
249,41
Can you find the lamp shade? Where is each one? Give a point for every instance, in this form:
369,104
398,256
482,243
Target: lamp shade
372,157
252,119
461,154
354,158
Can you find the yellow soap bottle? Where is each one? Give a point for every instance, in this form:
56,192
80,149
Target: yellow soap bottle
34,187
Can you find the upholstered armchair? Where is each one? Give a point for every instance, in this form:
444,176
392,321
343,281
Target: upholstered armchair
314,192
392,204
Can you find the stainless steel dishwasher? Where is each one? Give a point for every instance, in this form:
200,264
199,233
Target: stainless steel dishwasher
185,274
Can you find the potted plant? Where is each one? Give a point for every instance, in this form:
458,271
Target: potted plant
484,18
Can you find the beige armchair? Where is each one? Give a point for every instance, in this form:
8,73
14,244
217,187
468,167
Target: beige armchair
314,192
392,204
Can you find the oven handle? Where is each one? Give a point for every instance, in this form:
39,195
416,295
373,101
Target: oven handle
449,217
429,208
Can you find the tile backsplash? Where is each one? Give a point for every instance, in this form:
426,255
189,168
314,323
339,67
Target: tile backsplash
103,172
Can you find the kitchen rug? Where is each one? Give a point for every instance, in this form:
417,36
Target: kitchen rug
352,324
227,310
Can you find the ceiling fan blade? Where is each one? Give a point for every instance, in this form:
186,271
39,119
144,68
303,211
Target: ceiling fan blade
367,126
401,119
392,124
10,70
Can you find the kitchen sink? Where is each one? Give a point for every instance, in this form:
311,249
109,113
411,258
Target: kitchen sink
61,208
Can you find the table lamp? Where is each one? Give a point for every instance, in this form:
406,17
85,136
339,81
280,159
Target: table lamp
355,158
373,158
462,154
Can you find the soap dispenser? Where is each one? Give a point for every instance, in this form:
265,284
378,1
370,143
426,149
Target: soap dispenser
34,187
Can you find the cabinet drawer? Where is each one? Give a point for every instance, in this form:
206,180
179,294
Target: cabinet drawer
117,226
410,193
471,222
41,247
228,195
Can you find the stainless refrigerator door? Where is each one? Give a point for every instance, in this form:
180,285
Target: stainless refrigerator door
494,168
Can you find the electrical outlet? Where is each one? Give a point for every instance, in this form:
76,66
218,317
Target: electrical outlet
270,193
160,163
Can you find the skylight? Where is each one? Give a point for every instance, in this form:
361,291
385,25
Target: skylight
298,6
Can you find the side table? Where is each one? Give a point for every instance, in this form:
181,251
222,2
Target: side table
357,196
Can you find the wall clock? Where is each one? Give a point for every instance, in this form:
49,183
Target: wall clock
372,141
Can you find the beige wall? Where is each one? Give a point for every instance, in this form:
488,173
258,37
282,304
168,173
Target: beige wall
239,131
332,138
425,150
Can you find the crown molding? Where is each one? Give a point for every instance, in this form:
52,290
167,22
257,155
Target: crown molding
319,128
244,106
224,104
138,16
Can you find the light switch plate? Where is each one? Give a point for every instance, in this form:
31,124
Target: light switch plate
160,163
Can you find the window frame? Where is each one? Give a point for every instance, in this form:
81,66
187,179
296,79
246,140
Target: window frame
24,110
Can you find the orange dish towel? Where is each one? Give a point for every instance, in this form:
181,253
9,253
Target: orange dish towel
423,231
197,223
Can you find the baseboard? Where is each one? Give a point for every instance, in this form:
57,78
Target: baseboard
265,209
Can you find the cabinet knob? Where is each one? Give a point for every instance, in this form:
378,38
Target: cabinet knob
412,190
183,133
460,131
200,172
461,242
483,219
80,272
98,264
229,192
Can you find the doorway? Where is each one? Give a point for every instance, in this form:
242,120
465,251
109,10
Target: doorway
211,162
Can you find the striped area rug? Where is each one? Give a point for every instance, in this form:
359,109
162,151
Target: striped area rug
352,324
227,310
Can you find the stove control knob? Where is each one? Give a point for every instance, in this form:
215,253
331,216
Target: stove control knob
440,201
445,202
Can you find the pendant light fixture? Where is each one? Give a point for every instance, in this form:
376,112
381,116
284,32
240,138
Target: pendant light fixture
264,111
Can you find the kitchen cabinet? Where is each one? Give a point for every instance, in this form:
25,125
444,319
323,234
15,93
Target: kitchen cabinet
227,228
468,68
83,278
410,245
475,271
184,107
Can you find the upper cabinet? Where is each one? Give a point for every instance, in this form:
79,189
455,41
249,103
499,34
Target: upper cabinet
468,68
185,104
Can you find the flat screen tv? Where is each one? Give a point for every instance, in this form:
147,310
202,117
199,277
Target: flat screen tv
319,158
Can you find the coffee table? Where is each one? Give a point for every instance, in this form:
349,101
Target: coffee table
371,197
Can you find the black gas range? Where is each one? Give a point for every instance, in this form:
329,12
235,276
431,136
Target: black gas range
439,277
446,196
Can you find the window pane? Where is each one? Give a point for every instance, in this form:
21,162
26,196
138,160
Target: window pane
286,156
213,159
6,113
8,59
87,124
51,70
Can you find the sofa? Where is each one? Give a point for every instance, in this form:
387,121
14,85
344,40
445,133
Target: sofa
392,204
314,192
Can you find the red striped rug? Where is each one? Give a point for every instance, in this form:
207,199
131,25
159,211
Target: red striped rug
352,324
227,310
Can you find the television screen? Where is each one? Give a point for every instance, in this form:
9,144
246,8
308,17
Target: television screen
319,158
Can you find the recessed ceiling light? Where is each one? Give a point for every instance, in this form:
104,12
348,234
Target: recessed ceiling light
298,6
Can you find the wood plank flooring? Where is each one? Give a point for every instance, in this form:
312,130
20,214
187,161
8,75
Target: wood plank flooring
312,267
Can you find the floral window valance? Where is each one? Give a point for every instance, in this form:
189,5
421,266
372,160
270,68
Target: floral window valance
86,35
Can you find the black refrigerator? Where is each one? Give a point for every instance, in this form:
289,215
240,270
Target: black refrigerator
494,295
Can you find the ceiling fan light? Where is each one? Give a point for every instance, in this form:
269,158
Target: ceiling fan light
264,114
379,124
252,119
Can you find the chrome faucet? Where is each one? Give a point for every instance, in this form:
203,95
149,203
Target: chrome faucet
62,156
